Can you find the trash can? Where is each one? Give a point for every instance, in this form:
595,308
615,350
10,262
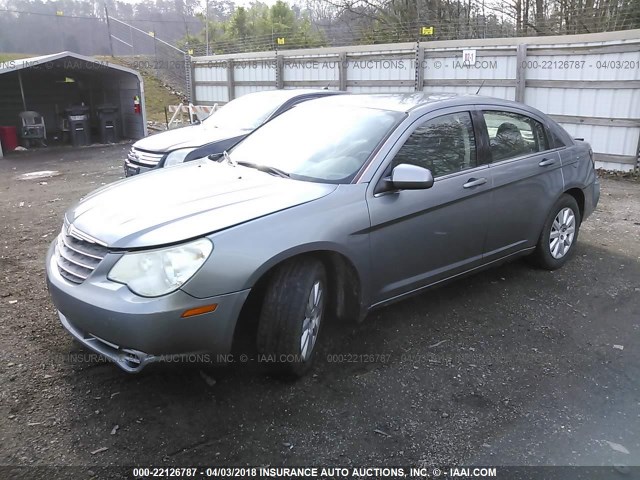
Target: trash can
107,123
78,117
8,138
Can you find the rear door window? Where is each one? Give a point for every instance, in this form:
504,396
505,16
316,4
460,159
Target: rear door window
513,135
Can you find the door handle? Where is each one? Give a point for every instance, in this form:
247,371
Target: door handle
474,182
546,162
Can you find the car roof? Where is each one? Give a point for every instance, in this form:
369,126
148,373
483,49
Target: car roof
285,95
406,102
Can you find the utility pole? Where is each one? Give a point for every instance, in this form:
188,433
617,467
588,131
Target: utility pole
106,14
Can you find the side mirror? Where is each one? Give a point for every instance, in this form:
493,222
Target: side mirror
196,121
215,156
411,177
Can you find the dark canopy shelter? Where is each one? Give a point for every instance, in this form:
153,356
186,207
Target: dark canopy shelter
50,84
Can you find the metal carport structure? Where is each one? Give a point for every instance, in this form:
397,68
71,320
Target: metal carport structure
50,83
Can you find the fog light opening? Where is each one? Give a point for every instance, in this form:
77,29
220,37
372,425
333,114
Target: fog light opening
200,310
132,359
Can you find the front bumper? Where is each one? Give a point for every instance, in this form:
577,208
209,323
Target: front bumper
131,169
133,331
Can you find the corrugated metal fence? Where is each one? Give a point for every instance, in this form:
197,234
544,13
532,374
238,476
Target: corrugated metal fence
589,83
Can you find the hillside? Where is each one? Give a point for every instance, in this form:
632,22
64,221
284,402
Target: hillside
157,95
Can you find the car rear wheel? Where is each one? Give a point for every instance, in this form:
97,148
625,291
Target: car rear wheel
559,235
293,308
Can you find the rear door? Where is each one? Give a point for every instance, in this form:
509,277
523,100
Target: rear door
419,237
527,179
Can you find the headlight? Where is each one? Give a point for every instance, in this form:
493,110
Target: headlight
177,156
158,272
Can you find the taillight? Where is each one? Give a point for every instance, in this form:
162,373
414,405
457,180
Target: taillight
593,162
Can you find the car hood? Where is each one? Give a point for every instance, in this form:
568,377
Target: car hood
185,137
183,202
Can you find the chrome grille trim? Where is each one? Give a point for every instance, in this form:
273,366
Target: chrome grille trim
66,272
142,157
77,258
75,261
70,247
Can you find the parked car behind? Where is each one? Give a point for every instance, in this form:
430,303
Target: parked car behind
336,207
218,132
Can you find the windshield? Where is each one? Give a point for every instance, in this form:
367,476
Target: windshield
326,143
245,113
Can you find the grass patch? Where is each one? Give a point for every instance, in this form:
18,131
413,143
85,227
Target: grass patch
7,57
157,96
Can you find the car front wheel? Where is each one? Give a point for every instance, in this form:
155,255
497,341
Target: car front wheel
291,316
559,235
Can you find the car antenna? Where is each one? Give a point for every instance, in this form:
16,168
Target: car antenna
478,91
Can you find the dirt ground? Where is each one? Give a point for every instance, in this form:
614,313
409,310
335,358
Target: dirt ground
513,366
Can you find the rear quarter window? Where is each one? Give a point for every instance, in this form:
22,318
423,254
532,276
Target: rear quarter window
555,139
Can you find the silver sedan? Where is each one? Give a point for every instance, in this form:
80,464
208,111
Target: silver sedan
336,207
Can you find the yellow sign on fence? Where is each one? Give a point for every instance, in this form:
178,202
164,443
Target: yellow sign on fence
280,40
59,13
426,31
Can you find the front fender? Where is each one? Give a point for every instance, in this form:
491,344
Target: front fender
338,222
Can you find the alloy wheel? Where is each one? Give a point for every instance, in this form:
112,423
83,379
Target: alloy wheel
562,233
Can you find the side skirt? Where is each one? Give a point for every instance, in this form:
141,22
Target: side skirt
471,271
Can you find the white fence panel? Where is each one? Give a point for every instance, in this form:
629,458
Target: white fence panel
589,83
253,76
210,79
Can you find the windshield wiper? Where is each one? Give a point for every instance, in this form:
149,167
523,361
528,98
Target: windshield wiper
266,168
227,158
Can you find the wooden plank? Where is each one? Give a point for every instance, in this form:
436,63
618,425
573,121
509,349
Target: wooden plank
255,83
489,52
210,83
311,83
419,69
231,90
279,72
342,71
521,73
192,93
380,83
597,121
311,58
381,57
607,157
475,82
239,83
617,84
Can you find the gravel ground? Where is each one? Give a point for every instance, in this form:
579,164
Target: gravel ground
513,366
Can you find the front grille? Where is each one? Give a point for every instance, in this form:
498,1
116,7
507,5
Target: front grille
77,258
142,157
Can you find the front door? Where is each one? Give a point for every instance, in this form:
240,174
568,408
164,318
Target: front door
419,237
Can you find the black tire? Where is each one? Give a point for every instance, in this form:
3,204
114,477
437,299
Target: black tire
542,256
285,311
